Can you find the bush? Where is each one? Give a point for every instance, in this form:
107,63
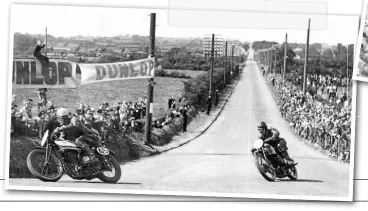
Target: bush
160,73
197,89
173,74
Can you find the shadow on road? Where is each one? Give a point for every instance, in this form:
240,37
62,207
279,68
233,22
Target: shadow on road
299,180
99,182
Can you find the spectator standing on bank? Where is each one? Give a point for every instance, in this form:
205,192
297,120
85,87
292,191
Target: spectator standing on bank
173,106
170,102
42,94
216,97
26,110
209,104
263,71
181,98
185,118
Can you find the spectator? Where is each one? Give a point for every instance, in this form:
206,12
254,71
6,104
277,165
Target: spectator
181,98
216,97
37,53
323,123
42,94
185,118
170,102
209,104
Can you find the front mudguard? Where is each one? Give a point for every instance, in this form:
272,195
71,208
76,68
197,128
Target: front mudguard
111,152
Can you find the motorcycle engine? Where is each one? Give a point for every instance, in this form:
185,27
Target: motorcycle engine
70,156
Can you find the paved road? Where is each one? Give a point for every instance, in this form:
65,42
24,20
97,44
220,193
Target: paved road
219,161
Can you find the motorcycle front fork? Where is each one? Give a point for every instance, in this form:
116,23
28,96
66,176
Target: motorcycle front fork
46,161
105,163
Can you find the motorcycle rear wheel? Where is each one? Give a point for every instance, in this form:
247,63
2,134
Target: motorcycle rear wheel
117,171
41,170
294,173
260,164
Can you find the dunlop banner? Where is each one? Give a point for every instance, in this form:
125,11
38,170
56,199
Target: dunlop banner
29,73
95,73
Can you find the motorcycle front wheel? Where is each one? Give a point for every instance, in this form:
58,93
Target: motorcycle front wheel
114,175
263,167
293,175
50,170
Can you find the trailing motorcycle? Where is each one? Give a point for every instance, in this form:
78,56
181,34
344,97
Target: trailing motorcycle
55,157
270,164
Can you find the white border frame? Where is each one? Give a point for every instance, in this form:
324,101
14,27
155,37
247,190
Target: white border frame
359,44
171,193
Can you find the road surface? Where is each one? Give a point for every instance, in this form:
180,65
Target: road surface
220,162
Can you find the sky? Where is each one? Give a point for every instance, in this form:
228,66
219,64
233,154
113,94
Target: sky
342,24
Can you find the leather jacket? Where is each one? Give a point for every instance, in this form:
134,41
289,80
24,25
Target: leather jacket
76,129
271,135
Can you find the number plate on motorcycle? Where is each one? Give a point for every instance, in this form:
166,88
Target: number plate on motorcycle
102,151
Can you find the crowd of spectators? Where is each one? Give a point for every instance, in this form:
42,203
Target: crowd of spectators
176,109
124,117
323,84
323,121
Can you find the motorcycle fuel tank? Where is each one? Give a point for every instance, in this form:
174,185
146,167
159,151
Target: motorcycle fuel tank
65,143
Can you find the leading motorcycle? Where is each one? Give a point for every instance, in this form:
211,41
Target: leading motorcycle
270,164
54,157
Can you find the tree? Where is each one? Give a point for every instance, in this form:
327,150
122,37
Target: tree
245,46
262,44
327,53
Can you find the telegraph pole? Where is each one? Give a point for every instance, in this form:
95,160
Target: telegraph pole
271,60
306,60
212,62
262,57
347,71
149,106
275,64
232,55
265,56
225,63
285,55
46,43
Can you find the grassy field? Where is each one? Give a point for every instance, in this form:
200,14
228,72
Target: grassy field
191,73
111,92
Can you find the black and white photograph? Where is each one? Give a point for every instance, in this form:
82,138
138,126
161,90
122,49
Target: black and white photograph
361,61
122,100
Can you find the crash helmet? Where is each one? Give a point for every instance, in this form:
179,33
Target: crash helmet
62,112
261,126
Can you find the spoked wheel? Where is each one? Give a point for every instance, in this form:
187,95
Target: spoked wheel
263,167
112,176
293,174
46,167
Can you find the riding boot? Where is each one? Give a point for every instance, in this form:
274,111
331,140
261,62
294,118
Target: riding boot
92,157
288,160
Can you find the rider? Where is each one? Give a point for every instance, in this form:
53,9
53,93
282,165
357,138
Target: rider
270,136
73,129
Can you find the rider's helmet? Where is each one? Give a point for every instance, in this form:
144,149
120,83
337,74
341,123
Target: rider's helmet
262,126
63,116
62,112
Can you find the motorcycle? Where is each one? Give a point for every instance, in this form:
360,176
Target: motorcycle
54,157
270,164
